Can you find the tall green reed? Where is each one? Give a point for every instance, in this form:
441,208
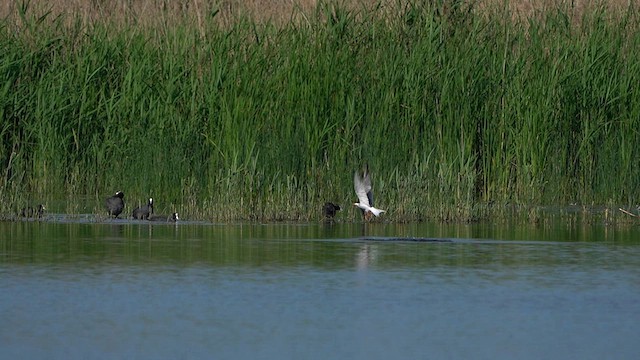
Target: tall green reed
456,112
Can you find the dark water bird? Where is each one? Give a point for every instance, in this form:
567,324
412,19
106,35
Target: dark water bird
170,218
115,204
363,188
330,210
33,212
142,213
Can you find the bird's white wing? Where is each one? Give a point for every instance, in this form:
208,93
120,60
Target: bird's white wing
360,186
367,187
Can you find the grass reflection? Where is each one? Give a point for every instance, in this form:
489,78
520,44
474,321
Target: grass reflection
277,246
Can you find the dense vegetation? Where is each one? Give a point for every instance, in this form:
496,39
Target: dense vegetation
458,113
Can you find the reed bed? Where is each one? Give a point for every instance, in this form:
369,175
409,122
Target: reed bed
461,114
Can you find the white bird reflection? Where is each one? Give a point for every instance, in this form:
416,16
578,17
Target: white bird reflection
366,256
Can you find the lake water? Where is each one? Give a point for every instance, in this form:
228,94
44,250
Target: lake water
122,289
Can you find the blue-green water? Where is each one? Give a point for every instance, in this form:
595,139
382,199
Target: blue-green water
122,289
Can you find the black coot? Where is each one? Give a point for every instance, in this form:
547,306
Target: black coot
115,204
33,212
142,213
171,218
330,210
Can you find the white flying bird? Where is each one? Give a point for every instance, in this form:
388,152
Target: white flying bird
362,186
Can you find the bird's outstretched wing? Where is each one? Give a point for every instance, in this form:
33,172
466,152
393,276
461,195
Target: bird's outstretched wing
362,186
358,186
367,184
367,188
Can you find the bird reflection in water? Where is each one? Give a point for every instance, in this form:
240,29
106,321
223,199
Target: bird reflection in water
366,256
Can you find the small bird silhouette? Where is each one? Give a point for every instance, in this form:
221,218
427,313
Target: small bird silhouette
115,204
170,218
330,210
142,213
33,212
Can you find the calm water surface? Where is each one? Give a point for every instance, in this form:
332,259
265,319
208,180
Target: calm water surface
77,290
